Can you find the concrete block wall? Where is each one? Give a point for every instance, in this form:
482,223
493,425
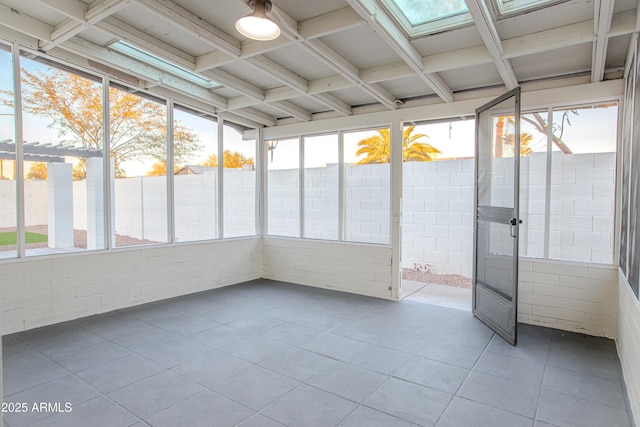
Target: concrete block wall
195,207
347,267
568,296
437,215
46,290
239,202
283,205
367,203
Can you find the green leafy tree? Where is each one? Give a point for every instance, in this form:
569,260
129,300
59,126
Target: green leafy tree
377,148
72,105
230,160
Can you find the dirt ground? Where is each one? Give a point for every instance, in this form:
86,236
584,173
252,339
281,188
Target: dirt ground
79,239
436,279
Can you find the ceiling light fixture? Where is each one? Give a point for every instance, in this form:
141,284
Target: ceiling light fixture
257,26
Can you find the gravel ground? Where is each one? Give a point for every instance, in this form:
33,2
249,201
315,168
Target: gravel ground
437,279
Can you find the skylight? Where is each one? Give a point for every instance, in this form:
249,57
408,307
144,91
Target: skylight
419,17
163,65
509,6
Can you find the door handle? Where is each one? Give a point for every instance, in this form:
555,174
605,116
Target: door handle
512,229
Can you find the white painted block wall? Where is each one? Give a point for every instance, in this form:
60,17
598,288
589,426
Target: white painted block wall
347,267
45,290
628,342
568,296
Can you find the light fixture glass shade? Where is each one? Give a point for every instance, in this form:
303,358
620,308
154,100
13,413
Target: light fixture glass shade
257,26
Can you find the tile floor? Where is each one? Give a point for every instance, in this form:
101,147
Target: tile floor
272,354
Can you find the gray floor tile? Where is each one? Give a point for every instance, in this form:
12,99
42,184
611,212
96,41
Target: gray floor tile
145,338
98,412
90,357
334,346
595,389
220,336
213,368
255,388
302,316
113,325
341,343
65,390
201,410
451,352
579,357
408,401
307,406
174,353
510,396
256,323
25,368
226,313
255,349
154,394
258,420
119,373
373,334
182,323
348,381
379,359
8,340
298,363
432,373
367,417
511,368
567,411
535,350
290,333
462,412
51,343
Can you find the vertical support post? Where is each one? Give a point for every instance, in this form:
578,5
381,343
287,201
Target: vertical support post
396,207
60,199
95,203
301,205
108,167
19,133
262,182
220,177
171,228
547,184
341,187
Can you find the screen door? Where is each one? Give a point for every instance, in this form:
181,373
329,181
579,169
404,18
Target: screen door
495,268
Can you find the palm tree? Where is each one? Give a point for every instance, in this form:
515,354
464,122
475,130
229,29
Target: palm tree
377,148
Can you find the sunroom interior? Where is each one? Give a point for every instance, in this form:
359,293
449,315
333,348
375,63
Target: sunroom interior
348,151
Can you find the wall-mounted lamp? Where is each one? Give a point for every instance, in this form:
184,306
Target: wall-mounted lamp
271,145
258,26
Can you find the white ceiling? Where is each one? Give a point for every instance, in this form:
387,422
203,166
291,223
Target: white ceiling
333,55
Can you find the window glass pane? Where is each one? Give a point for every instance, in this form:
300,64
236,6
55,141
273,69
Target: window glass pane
195,139
533,181
416,13
8,214
367,186
437,202
139,163
283,195
583,184
239,183
63,162
321,187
